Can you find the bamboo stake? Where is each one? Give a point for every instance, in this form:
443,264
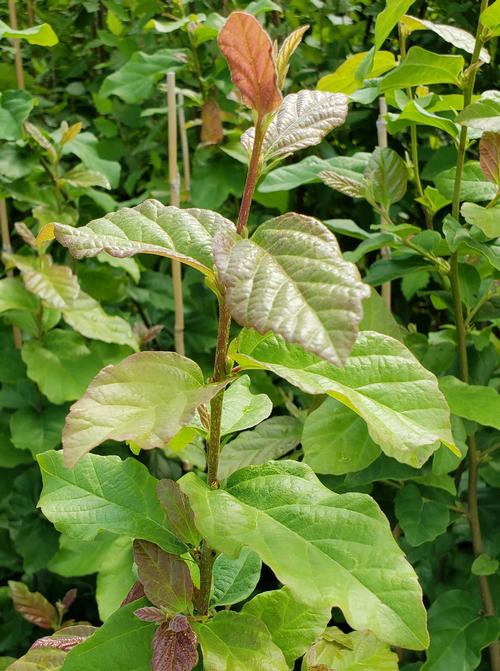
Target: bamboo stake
17,46
173,177
383,142
7,248
185,147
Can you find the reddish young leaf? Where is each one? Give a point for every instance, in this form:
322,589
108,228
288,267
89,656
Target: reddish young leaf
211,123
175,646
150,614
248,51
489,156
179,513
135,592
69,598
65,639
166,578
33,606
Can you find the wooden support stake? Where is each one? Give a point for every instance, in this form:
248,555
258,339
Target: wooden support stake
173,177
185,147
6,248
17,46
382,142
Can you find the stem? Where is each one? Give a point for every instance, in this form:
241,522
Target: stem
17,46
7,248
473,457
383,142
252,175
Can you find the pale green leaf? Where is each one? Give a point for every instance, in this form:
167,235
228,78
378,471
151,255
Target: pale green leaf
472,401
167,26
421,519
421,68
81,176
88,149
42,34
377,317
483,114
242,409
56,285
389,18
271,439
474,186
103,494
346,184
487,220
15,107
133,400
382,381
335,440
344,79
239,642
490,18
290,278
357,651
484,565
329,549
294,626
415,113
234,580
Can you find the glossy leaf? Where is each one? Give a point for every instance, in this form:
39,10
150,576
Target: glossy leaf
489,156
421,68
33,606
42,34
15,107
472,401
386,177
486,219
293,626
166,579
329,549
336,440
382,381
175,646
242,409
271,439
133,401
235,579
483,114
103,493
422,519
389,18
286,51
150,614
248,51
178,512
290,278
356,651
474,187
345,79
239,642
302,120
148,228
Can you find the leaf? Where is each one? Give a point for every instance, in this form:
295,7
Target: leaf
459,239
42,34
489,156
290,278
55,285
483,114
349,186
484,565
212,131
386,177
248,51
33,606
81,176
490,18
14,296
422,519
37,431
133,400
458,632
89,150
399,399
389,18
328,549
288,177
149,228
234,580
271,439
302,120
15,107
239,642
293,626
356,651
473,186
178,512
65,638
286,51
150,614
377,317
413,112
336,440
241,409
487,220
123,641
175,646
166,579
345,79
472,401
48,653
456,36
421,68
103,493
63,363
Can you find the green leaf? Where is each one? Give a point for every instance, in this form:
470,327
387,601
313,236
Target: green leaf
413,112
290,278
89,150
344,79
166,26
421,519
353,186
329,549
103,494
235,579
149,228
271,439
474,187
484,565
336,440
165,578
239,642
81,176
14,296
389,18
487,220
357,651
386,177
458,632
15,107
123,641
421,68
377,317
178,511
293,626
483,114
56,285
472,401
63,363
382,381
133,400
42,35
241,409
490,18
37,431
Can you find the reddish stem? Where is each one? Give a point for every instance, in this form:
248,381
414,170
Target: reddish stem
252,175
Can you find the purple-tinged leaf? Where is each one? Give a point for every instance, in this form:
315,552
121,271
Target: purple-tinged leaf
166,578
69,598
65,639
489,157
175,647
135,592
150,614
33,606
179,513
